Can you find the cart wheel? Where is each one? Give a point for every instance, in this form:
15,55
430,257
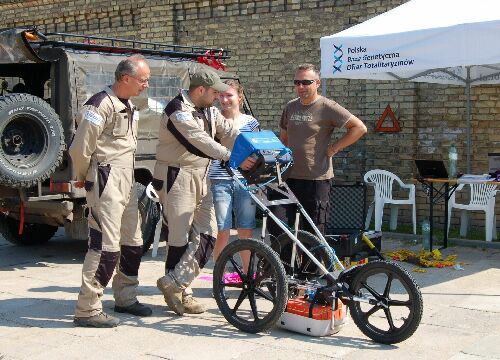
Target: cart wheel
304,267
396,304
251,300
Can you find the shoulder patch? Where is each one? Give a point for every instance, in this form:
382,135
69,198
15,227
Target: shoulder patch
96,99
93,117
183,116
174,105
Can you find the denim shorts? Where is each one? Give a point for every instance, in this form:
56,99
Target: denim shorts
228,195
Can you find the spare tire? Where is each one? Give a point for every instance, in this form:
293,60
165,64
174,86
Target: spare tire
31,140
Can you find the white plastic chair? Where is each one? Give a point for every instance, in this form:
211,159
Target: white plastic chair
482,198
383,180
153,195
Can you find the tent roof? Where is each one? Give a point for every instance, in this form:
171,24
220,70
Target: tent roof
426,14
417,41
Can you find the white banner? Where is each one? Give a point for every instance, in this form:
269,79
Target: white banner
422,40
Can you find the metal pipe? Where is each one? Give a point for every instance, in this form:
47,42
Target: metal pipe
264,226
294,246
468,120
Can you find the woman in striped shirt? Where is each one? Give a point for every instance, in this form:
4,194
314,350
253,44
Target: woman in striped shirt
227,194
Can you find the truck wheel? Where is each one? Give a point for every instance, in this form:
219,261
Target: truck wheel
33,234
150,215
31,140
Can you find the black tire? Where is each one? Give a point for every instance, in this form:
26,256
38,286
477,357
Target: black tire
31,140
304,267
33,234
150,215
264,285
392,286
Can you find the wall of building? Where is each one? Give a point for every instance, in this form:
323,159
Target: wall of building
267,40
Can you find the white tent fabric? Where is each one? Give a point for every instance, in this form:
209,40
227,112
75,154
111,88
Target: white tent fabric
421,40
436,41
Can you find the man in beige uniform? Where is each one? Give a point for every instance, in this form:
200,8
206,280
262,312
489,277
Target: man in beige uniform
102,154
185,148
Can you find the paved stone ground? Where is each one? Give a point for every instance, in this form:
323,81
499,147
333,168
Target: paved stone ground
39,286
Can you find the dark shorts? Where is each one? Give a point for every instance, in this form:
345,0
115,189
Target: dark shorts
314,195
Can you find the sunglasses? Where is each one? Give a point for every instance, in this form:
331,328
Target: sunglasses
303,82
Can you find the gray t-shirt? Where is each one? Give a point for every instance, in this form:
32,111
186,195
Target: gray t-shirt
309,129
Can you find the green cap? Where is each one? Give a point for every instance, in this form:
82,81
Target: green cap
208,78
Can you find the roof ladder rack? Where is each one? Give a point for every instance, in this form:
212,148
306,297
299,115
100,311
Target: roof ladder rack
117,45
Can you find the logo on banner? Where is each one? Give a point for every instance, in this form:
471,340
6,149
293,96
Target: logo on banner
337,58
361,58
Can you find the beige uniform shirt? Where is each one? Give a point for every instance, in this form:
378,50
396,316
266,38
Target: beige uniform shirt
106,133
186,135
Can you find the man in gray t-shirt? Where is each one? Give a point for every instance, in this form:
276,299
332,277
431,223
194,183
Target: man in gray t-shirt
307,124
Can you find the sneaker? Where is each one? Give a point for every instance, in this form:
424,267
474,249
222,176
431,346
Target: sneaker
101,320
172,295
136,309
192,306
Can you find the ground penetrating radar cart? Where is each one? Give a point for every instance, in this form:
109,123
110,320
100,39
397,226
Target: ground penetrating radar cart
296,281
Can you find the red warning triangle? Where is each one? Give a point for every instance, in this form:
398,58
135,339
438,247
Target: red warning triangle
395,125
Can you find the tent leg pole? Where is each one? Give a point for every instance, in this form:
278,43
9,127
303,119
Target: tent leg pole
468,114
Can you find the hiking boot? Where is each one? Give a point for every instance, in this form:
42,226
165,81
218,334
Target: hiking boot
192,306
172,295
136,309
101,320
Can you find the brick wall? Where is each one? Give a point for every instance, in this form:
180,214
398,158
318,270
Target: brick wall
267,40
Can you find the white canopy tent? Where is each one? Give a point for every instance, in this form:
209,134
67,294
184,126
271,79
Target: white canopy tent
436,41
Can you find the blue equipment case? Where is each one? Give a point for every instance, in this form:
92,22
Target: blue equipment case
267,149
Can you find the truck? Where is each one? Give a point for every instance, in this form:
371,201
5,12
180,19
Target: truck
45,78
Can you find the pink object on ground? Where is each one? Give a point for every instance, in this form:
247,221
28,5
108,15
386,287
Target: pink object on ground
229,278
206,277
232,278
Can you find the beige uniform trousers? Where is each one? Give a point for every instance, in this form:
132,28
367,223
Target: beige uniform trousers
115,239
189,222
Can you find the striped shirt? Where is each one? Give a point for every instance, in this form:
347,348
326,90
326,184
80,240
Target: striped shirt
247,124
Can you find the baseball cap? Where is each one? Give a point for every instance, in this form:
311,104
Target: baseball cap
208,78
